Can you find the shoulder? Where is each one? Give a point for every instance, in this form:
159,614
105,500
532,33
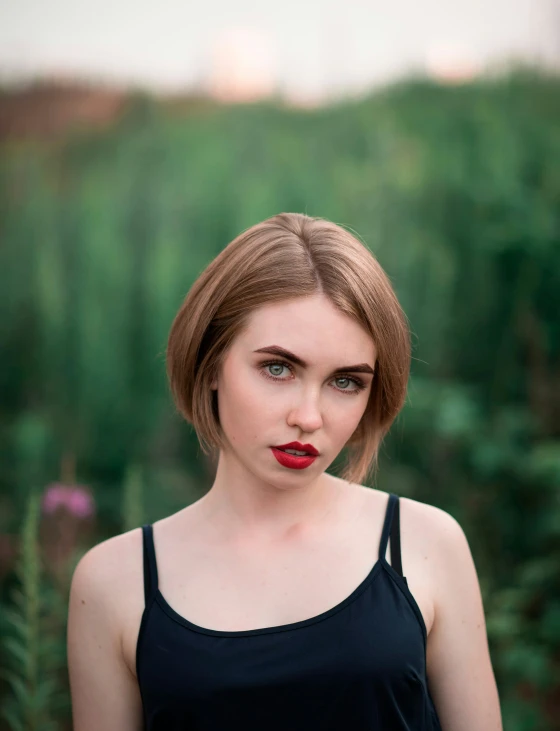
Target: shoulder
452,571
105,598
437,533
434,549
432,521
108,578
457,659
109,561
425,522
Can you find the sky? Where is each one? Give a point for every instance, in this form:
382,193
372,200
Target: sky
309,48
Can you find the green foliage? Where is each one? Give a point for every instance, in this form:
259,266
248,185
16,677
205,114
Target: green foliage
31,653
132,499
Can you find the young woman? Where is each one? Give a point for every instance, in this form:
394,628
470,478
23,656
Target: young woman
279,599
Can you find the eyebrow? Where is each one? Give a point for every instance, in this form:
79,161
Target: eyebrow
277,350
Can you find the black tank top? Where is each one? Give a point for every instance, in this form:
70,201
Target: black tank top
360,665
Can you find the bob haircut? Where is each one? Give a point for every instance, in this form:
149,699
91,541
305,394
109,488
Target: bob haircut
289,255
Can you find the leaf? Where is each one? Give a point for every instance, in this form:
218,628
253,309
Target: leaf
18,650
18,686
549,628
17,621
12,718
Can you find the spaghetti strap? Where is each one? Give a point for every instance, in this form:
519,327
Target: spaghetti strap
150,565
391,526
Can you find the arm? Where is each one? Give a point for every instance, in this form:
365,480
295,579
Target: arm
461,678
104,692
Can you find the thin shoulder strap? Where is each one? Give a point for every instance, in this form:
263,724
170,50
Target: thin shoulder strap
392,526
150,565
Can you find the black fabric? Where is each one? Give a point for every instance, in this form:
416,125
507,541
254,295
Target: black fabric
360,665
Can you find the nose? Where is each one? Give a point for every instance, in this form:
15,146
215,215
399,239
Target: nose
306,413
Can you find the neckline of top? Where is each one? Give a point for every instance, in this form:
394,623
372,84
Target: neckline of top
380,563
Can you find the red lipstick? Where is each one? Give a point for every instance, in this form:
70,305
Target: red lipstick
294,461
309,448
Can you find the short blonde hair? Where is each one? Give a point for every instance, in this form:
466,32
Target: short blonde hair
287,256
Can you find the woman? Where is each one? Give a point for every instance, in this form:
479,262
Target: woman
286,597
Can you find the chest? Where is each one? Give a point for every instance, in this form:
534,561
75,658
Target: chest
247,587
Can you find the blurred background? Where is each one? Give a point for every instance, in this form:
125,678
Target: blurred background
137,140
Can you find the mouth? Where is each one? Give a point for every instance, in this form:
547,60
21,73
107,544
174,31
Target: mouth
293,461
298,450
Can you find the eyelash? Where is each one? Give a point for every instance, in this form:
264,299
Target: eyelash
360,384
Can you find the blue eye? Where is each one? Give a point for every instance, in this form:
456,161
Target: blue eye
277,365
282,364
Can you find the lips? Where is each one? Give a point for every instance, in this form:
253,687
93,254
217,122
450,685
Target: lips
293,461
307,448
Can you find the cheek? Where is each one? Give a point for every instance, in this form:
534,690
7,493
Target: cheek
344,418
348,419
243,407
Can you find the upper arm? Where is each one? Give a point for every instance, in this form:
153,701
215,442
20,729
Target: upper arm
461,678
104,692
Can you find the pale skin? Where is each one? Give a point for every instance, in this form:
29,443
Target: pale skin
268,545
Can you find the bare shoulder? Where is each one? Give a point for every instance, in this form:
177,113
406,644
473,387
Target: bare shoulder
422,521
429,520
109,581
435,533
458,661
428,536
108,564
447,554
440,534
105,595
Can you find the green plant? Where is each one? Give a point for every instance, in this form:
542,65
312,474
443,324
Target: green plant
132,506
30,650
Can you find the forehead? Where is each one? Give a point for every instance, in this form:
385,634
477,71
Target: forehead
311,327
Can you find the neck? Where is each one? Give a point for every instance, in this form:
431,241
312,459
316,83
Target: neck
241,507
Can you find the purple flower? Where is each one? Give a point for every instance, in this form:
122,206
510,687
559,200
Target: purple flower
75,499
